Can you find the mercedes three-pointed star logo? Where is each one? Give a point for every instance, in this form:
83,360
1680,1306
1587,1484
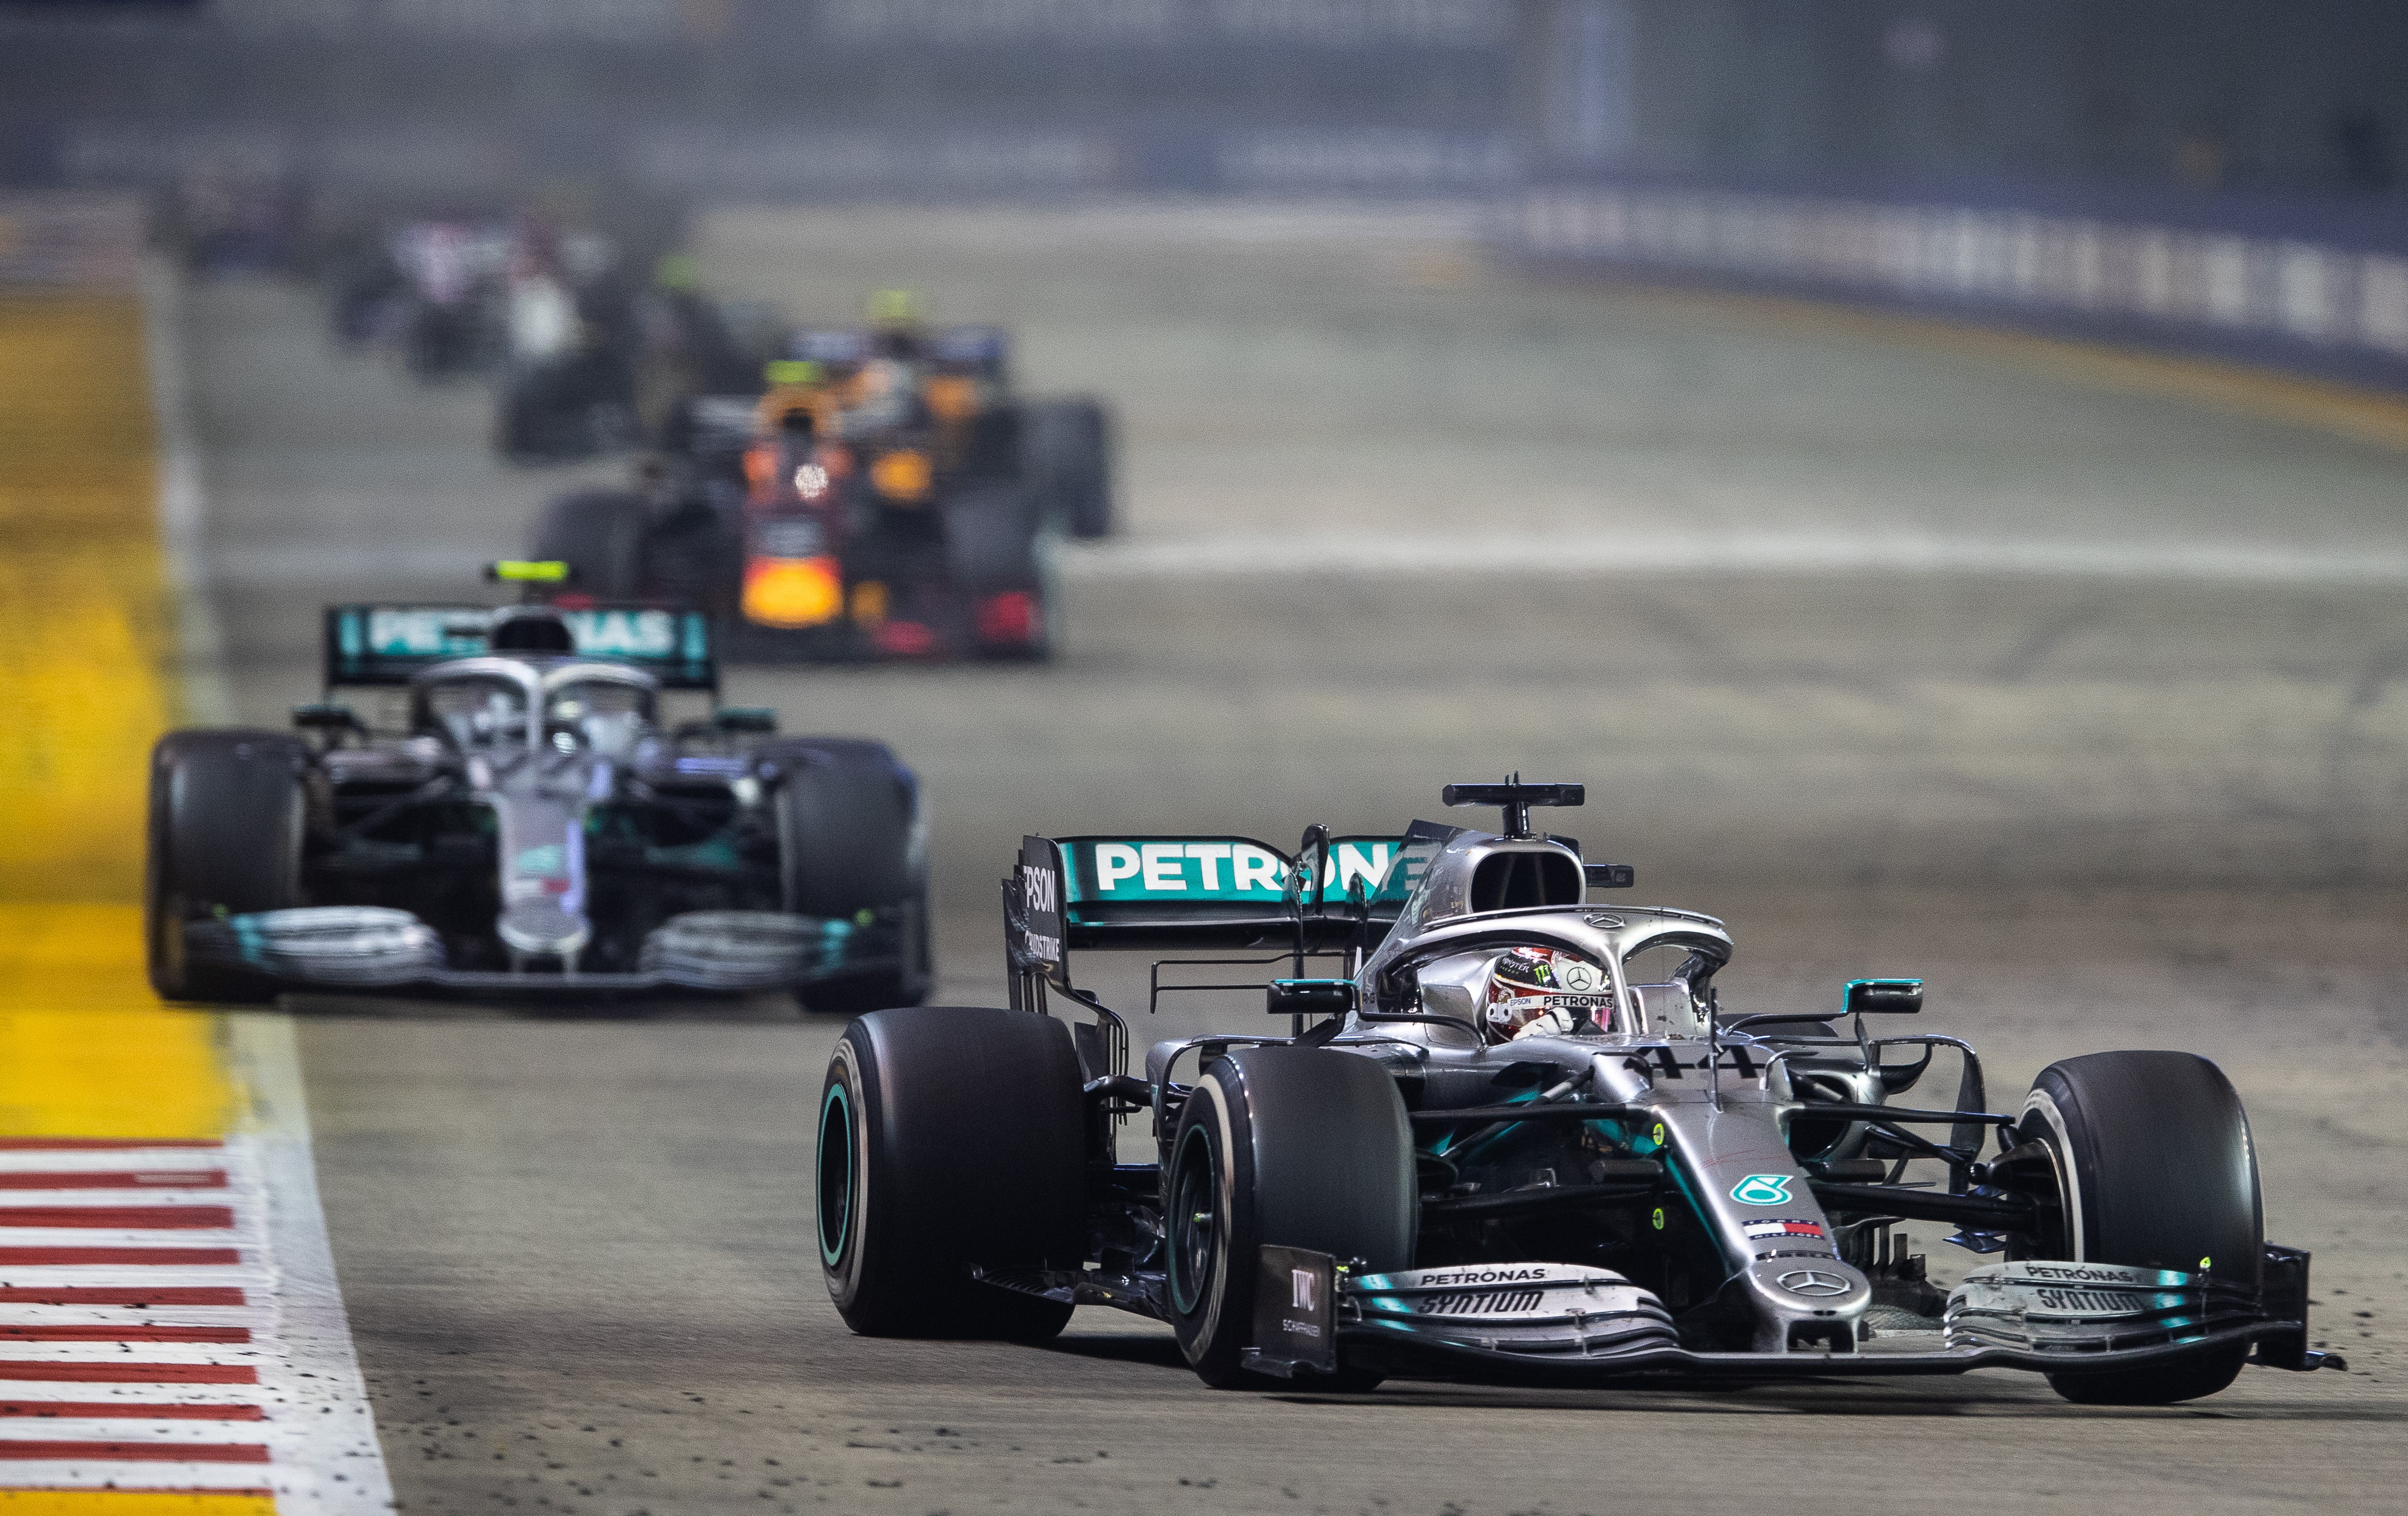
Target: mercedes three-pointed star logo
1814,1282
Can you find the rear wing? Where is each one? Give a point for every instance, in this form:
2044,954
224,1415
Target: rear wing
1192,894
387,644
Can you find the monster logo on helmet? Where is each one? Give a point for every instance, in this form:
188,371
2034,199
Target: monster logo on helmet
1544,990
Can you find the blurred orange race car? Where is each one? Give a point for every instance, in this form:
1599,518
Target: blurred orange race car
860,507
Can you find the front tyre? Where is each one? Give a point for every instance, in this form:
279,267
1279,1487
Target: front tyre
1289,1147
950,1137
226,822
852,839
2156,1169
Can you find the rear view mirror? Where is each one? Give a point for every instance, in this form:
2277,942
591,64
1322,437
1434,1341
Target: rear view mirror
1609,876
1884,997
1311,997
752,719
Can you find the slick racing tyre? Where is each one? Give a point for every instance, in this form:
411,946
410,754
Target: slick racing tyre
1069,463
225,830
850,839
1288,1147
600,533
950,1137
2156,1169
993,553
991,539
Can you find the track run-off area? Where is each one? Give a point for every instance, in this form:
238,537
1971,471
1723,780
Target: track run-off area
2075,684
171,1336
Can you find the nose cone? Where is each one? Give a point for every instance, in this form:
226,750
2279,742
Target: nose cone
1806,1302
541,926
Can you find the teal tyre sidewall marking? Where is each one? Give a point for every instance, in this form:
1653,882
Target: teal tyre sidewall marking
838,1104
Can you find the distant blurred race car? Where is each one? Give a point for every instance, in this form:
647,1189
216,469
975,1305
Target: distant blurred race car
687,350
841,515
1065,443
534,827
219,219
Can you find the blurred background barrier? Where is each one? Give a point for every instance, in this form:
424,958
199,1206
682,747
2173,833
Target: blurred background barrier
2213,174
2303,296
777,98
88,240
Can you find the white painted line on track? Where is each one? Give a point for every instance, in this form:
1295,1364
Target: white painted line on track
1769,554
135,1400
100,1473
97,1237
327,1459
26,1314
22,1429
30,1351
247,1277
160,1198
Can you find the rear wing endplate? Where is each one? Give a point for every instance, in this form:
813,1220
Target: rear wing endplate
387,644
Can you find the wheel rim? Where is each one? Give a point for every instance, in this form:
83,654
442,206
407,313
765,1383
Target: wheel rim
2060,1233
1194,1222
835,1174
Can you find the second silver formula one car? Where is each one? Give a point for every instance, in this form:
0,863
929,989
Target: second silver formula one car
533,825
1518,1137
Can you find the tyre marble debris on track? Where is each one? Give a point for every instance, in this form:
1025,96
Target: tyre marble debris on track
154,1339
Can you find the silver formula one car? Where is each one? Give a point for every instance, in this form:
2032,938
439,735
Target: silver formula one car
1519,1138
532,826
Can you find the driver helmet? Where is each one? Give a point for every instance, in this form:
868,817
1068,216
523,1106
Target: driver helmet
1545,991
897,320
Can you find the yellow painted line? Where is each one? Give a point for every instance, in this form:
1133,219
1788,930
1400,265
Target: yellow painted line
85,1049
133,1503
2336,409
82,663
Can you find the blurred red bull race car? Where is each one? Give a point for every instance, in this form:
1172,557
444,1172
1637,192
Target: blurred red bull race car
880,499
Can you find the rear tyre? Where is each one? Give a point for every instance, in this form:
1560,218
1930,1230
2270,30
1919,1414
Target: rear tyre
2156,1169
1069,447
994,557
600,533
991,539
1289,1147
226,821
950,1137
850,839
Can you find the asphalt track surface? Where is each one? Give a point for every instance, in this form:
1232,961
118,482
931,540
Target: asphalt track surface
2084,700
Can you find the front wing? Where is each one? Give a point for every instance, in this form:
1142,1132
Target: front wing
1557,1324
379,949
